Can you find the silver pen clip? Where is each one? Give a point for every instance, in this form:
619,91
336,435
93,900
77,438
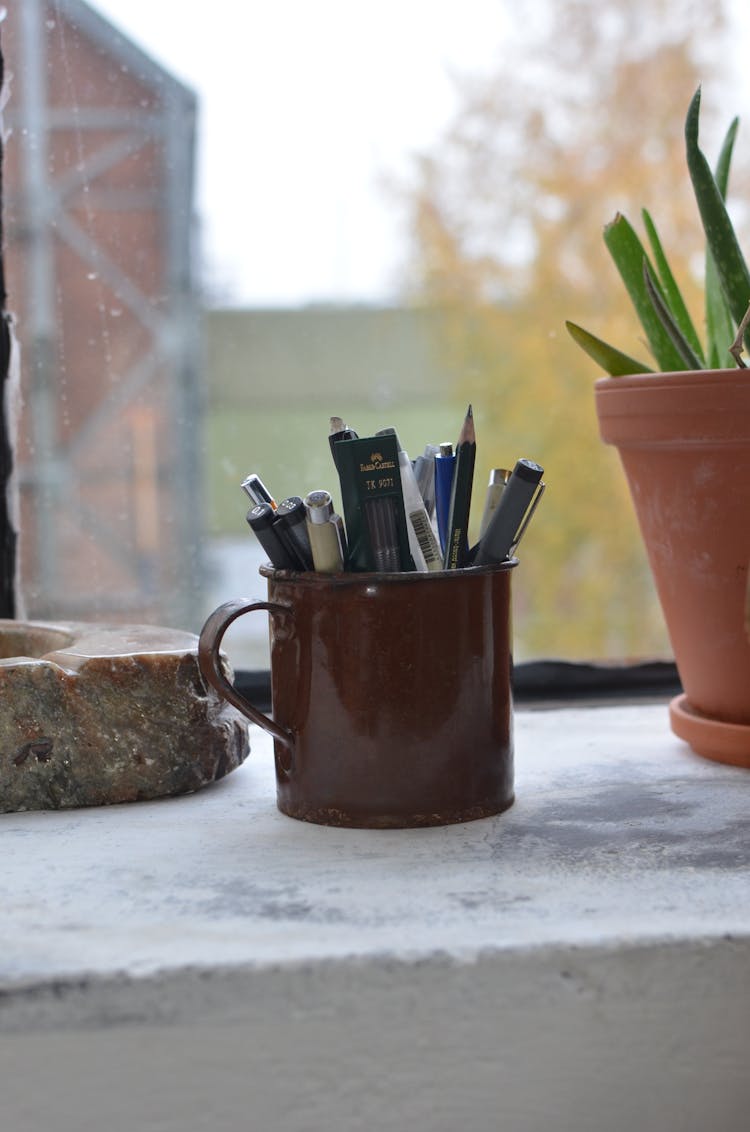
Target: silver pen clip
527,517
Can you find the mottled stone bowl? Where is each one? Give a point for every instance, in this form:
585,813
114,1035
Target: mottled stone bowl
93,714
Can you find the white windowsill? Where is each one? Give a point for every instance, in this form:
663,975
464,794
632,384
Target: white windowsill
608,909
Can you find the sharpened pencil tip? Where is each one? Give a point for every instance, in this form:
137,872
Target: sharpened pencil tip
467,434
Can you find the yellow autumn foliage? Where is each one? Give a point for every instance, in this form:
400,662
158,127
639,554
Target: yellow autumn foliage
507,217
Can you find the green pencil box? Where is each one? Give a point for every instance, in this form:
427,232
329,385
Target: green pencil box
373,504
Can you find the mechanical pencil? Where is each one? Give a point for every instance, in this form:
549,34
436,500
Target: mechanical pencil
325,529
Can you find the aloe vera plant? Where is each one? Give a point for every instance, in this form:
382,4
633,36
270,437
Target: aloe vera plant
672,338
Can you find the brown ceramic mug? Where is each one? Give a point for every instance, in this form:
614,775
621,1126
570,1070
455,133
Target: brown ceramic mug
391,694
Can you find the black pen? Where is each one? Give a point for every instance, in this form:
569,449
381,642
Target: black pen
260,519
510,518
457,541
291,524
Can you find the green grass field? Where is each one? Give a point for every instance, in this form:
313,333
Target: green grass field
562,605
288,448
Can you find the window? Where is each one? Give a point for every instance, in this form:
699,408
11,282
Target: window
216,240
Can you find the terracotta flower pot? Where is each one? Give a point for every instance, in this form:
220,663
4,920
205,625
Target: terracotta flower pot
684,442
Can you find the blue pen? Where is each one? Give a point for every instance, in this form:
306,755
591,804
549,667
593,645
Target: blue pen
445,465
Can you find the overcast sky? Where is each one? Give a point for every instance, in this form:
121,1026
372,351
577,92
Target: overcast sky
306,107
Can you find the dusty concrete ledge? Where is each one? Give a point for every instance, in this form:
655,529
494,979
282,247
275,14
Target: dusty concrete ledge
581,962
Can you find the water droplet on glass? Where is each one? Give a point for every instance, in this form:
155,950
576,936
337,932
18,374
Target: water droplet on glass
50,24
92,275
115,311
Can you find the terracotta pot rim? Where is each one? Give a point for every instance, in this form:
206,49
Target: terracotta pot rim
673,379
695,408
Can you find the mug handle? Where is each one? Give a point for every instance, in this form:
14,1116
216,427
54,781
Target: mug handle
212,669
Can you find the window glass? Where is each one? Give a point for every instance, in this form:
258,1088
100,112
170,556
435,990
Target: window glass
225,224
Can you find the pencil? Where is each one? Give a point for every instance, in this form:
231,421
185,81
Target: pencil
457,543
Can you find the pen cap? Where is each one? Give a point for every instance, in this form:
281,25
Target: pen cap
253,486
261,516
291,507
529,471
319,506
510,517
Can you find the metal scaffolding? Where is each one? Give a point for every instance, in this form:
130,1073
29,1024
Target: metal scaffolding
95,154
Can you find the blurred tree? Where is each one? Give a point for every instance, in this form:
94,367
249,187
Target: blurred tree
582,117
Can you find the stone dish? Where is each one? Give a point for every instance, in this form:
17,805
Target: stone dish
94,714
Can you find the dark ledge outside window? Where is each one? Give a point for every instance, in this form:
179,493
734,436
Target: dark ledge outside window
548,683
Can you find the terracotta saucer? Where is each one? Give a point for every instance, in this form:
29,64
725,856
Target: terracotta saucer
711,738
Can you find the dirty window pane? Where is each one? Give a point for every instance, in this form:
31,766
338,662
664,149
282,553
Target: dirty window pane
226,224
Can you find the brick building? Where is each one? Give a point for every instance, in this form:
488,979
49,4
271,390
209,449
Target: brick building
99,248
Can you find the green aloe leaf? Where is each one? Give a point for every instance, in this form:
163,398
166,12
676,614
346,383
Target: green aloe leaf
678,339
731,268
612,361
629,255
719,325
675,303
720,331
